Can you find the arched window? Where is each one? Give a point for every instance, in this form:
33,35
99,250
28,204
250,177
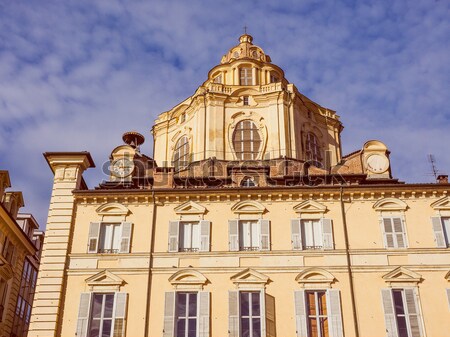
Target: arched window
313,152
248,182
181,153
246,140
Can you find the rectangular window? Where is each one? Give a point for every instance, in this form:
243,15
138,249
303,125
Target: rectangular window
189,236
446,228
274,78
250,313
317,316
394,232
246,76
218,79
248,235
101,318
3,292
8,250
312,234
186,315
401,311
110,236
245,100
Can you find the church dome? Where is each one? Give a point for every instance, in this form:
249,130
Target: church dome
245,50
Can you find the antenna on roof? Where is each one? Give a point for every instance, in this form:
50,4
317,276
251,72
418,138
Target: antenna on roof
434,170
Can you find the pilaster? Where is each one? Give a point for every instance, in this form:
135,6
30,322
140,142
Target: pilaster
67,168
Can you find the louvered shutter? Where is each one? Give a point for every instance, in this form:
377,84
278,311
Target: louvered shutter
327,232
270,316
300,313
438,230
233,313
448,297
334,313
262,309
120,311
389,313
296,234
233,234
399,229
264,233
203,313
205,229
169,314
94,232
388,234
174,230
412,307
125,241
83,314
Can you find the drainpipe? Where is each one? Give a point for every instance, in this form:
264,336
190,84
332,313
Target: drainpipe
349,269
150,265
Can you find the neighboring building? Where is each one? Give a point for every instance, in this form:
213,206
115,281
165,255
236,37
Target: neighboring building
248,221
19,261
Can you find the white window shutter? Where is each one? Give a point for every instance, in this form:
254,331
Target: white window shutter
233,235
125,241
262,309
270,316
400,231
415,321
203,313
327,232
389,313
83,315
264,234
233,313
205,236
438,230
94,232
334,313
448,297
169,314
174,230
120,312
300,313
388,235
296,234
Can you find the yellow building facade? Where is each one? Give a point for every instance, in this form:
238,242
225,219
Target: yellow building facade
247,221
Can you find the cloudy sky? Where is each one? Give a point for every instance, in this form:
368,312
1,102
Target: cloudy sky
75,75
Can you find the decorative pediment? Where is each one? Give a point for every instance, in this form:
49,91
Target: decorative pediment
447,276
441,204
104,280
249,278
112,208
190,207
188,278
316,277
402,275
6,272
310,206
390,204
248,207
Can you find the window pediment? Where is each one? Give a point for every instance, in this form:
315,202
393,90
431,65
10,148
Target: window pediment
310,206
441,204
248,207
390,204
188,278
249,278
104,280
402,275
316,277
190,207
112,208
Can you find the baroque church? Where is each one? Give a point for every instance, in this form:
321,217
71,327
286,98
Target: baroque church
247,221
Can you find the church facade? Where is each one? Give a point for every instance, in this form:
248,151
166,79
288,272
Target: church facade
247,221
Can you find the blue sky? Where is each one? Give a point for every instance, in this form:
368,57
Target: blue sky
75,75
